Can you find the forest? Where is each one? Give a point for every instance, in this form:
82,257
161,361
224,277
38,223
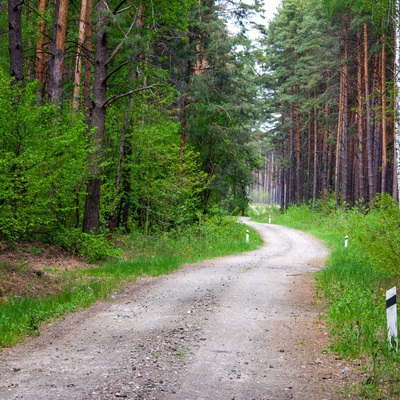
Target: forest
123,115
329,70
127,115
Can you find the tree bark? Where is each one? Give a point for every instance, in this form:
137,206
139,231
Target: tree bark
87,61
57,51
15,40
41,51
315,166
283,175
92,206
345,111
325,156
291,169
79,52
338,156
384,116
360,131
299,181
371,192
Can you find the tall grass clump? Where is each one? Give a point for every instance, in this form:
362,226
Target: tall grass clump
354,281
137,255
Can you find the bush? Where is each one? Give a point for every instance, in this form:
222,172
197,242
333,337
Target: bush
92,247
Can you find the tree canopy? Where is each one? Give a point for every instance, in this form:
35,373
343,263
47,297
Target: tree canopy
123,115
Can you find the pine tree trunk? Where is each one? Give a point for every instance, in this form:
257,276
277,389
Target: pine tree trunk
41,51
376,121
15,40
92,206
291,171
384,116
87,62
283,167
325,156
338,154
315,166
396,100
371,192
360,131
345,111
78,62
57,51
308,180
299,181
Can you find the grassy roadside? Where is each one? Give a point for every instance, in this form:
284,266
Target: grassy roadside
353,284
22,315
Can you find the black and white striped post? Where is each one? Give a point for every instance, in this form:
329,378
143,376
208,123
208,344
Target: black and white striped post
346,241
391,316
247,236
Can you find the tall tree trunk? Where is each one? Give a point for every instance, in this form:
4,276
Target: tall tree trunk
57,51
384,116
15,40
291,169
338,154
299,181
92,205
87,61
325,155
308,180
283,167
360,153
376,121
78,62
315,166
345,118
41,51
371,192
396,130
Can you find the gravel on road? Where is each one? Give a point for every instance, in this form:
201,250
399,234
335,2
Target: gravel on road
239,327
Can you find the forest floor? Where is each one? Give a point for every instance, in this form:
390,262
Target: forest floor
34,270
240,327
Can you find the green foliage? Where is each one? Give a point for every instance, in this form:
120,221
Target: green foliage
42,164
165,188
378,234
93,247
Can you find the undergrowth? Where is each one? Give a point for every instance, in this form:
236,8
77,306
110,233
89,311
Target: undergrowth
138,255
354,282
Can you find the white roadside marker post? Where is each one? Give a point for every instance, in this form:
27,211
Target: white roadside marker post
346,241
269,219
247,236
391,315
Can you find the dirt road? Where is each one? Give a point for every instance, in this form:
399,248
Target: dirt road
239,327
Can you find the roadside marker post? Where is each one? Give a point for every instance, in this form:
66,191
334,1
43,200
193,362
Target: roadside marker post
247,236
269,219
346,241
391,315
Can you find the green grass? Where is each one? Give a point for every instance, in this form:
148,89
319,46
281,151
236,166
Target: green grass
142,256
354,281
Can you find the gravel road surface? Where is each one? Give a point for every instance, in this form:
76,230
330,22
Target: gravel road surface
239,327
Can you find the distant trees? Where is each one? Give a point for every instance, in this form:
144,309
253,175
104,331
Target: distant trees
329,69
